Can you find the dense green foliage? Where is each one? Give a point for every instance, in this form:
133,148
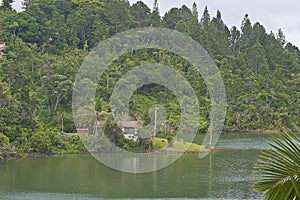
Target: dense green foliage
46,43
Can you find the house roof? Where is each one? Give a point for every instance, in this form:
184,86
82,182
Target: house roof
2,46
124,124
101,123
130,124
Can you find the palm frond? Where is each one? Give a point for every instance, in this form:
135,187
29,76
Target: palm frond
278,169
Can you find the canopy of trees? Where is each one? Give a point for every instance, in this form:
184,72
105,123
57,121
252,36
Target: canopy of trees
46,43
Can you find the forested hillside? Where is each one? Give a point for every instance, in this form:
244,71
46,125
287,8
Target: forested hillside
46,44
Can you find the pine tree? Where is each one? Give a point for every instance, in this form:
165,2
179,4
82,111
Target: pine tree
127,3
246,33
218,22
7,4
235,35
195,10
219,16
280,37
25,3
205,20
154,17
246,25
220,35
141,13
155,6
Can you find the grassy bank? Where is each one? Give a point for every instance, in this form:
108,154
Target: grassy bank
177,146
262,131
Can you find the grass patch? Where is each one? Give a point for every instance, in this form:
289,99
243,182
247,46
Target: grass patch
178,146
159,143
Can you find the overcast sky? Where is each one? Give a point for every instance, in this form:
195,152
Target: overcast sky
272,14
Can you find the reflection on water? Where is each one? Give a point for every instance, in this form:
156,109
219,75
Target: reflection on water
221,175
140,163
244,141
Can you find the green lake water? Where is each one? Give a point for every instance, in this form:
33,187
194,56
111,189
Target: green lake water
226,174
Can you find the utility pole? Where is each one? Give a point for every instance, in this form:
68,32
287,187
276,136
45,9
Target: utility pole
62,124
155,119
62,116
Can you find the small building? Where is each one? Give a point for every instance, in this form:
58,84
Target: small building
83,132
101,123
130,129
2,47
86,131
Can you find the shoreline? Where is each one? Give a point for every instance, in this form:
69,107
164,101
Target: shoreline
234,131
254,131
214,150
37,156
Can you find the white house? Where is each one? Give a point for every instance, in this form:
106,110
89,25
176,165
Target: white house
2,47
130,129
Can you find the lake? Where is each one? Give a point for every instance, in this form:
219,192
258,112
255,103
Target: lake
226,174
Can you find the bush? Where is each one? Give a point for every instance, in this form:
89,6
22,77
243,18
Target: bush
40,142
4,146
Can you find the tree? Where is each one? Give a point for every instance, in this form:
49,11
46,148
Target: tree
7,4
40,142
44,47
127,3
155,19
234,40
5,147
246,28
195,10
155,6
9,108
87,24
278,169
26,27
118,16
172,17
141,13
256,57
114,133
205,20
61,115
25,3
56,87
280,37
220,37
176,16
